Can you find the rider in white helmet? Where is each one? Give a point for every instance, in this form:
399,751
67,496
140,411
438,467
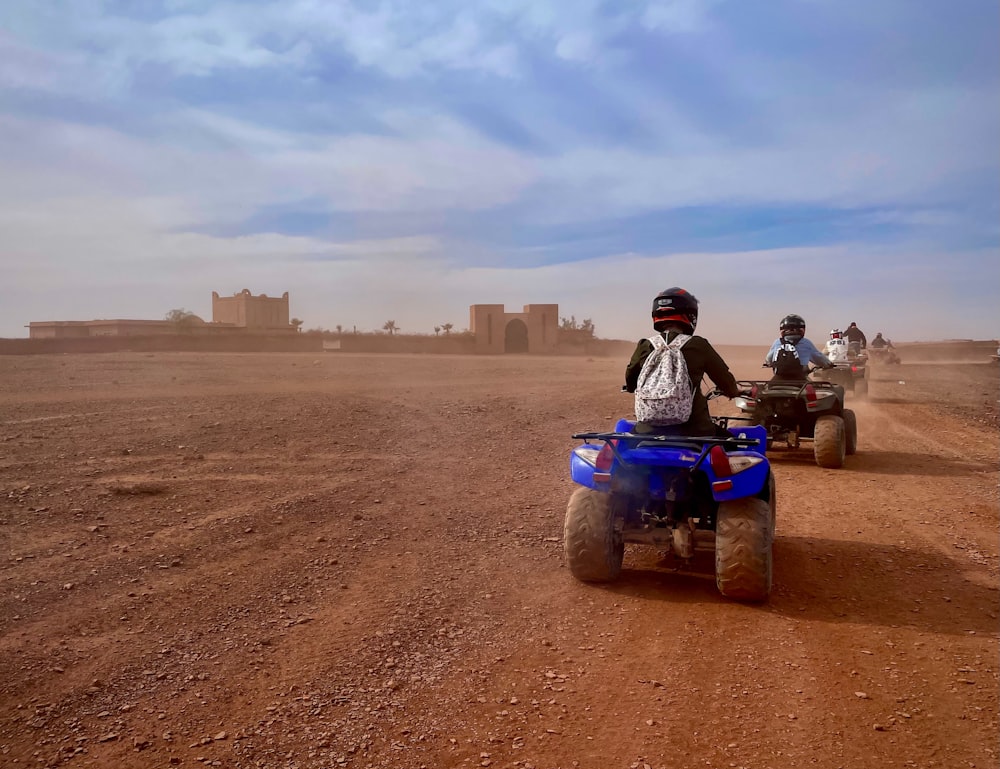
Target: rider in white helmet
836,348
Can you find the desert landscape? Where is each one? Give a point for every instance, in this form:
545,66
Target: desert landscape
306,560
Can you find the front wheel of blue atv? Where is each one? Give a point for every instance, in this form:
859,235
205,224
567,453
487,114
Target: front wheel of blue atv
593,545
744,532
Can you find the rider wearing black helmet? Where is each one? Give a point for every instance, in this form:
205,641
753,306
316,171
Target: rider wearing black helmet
791,353
856,335
880,341
675,311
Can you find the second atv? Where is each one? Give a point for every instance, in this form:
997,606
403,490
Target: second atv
793,412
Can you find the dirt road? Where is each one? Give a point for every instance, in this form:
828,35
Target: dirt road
355,561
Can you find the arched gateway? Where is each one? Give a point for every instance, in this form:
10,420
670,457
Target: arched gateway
534,330
515,337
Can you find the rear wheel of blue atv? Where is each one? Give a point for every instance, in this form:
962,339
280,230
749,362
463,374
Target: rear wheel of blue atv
851,431
744,531
830,441
594,548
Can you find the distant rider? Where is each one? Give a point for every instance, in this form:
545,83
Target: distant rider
855,334
791,353
675,311
879,342
836,347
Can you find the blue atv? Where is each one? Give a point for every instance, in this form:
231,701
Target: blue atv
677,492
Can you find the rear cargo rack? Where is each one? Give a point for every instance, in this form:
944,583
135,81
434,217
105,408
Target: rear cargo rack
700,444
681,441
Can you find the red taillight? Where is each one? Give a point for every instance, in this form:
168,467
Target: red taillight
605,458
754,391
719,460
810,393
854,369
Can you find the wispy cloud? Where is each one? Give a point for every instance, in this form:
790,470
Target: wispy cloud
677,16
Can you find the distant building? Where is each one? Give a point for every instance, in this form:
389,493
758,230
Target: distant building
238,314
245,310
534,330
76,329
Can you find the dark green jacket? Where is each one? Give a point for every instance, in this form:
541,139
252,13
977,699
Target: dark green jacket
701,359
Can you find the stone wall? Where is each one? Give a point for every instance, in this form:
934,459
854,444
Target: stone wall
165,343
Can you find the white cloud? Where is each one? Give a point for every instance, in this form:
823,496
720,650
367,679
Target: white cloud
677,16
25,68
82,252
432,164
895,156
576,46
396,38
201,38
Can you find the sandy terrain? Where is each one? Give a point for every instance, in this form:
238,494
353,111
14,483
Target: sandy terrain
294,561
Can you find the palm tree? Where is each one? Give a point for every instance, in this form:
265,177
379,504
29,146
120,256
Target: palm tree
391,327
447,327
437,330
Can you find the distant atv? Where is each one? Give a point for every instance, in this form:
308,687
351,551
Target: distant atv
793,412
884,355
853,377
851,362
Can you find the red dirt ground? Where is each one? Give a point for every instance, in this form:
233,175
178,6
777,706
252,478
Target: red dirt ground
291,561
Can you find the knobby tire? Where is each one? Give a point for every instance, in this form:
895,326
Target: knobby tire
594,549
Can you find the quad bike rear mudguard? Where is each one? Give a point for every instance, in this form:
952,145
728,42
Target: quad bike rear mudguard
652,457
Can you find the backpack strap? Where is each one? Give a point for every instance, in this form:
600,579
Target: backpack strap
658,342
679,341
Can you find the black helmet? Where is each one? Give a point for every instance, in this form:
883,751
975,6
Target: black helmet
676,305
793,328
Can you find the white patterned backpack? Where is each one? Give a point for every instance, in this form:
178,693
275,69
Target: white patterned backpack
664,394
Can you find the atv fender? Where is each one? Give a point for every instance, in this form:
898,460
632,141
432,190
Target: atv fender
751,482
581,467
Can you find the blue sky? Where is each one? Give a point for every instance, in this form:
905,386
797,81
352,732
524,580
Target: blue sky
381,159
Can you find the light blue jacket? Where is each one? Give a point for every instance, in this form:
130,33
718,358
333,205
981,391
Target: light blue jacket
806,350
